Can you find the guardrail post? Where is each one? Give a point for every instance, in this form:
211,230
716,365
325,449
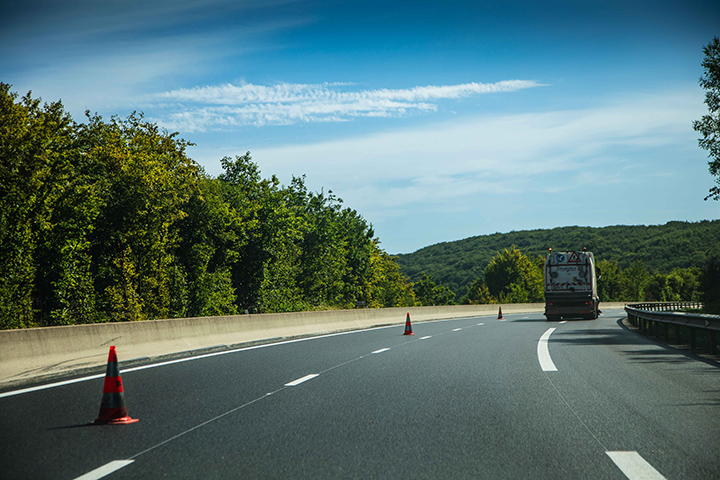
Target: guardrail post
713,342
692,339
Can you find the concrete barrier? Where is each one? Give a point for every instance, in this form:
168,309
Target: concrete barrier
31,355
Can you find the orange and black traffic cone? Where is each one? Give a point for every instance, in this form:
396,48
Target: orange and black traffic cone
500,313
112,407
408,327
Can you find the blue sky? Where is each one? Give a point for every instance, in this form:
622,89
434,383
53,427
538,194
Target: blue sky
436,121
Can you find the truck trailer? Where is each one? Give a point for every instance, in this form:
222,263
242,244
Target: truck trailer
571,285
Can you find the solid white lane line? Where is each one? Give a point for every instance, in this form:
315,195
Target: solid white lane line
543,352
634,466
381,350
297,382
105,470
425,338
56,384
456,329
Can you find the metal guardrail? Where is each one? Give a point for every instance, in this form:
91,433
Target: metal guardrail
651,316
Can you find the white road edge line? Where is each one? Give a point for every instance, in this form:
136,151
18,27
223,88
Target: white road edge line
56,384
634,466
297,382
105,470
564,321
381,350
543,352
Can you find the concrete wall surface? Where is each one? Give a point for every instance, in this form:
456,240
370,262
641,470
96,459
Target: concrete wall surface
31,355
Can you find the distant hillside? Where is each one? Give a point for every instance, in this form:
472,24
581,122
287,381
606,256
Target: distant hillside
660,247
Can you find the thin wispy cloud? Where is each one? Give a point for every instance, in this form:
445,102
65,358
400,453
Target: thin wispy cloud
385,173
219,107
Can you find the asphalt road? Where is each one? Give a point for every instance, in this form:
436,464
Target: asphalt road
467,398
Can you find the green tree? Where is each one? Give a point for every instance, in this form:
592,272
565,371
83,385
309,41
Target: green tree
211,237
429,294
146,180
512,277
388,288
610,286
479,294
245,191
634,282
709,125
282,231
657,289
683,284
45,213
325,248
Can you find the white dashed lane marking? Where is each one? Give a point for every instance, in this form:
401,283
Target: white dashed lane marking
634,466
297,382
105,470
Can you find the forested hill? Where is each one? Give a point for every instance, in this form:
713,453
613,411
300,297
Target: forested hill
659,247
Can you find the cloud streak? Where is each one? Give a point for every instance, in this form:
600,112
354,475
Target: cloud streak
388,173
223,106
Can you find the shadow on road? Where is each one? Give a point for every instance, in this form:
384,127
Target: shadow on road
72,426
656,351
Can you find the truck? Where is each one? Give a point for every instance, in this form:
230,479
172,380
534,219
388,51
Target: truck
571,285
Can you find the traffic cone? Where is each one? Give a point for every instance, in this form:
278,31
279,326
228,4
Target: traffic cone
408,327
500,313
112,407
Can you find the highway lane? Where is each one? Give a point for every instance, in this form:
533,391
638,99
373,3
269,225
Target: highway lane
467,403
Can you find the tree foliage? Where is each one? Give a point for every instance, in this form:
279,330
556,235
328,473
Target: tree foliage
429,294
512,277
112,221
479,294
709,125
